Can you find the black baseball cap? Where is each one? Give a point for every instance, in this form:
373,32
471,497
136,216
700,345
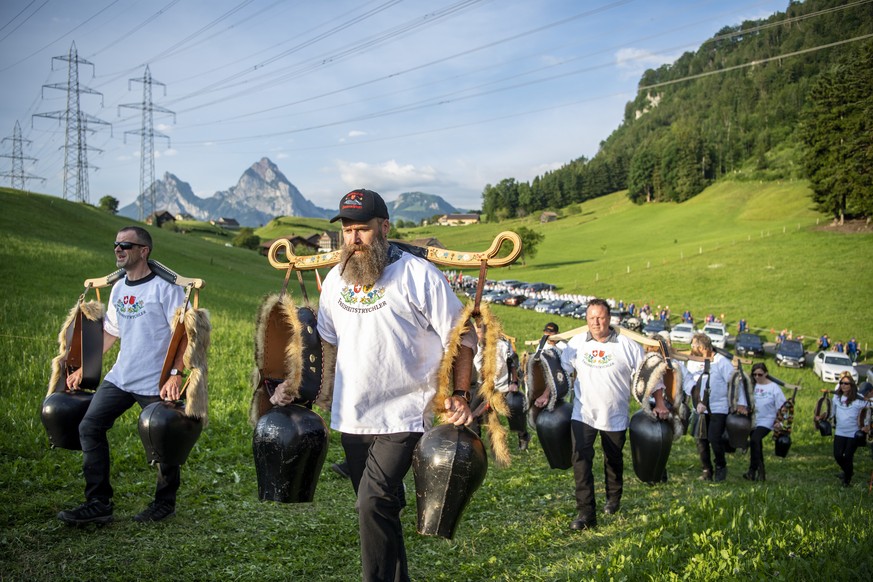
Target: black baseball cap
361,205
551,327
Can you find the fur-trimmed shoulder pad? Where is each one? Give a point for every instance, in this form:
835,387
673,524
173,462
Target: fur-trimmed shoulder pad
653,373
198,329
289,351
91,310
487,392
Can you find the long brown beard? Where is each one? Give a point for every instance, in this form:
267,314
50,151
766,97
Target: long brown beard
366,266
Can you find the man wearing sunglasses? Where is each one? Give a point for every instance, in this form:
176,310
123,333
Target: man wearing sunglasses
140,313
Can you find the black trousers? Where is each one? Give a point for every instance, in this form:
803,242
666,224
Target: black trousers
108,404
377,465
612,444
756,448
844,455
715,430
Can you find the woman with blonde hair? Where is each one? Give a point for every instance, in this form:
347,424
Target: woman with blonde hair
707,383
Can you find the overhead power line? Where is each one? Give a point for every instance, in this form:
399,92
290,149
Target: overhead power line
754,63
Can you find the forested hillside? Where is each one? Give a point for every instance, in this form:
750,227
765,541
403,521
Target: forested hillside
737,106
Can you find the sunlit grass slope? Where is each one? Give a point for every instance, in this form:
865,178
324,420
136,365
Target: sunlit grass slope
798,525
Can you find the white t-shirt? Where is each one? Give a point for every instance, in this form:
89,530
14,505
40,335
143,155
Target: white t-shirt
504,350
140,314
720,372
846,415
390,340
768,400
603,377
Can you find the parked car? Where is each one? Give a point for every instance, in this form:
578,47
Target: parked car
616,316
716,333
655,326
581,311
682,333
511,283
569,309
490,296
543,306
632,323
537,287
557,305
790,354
750,345
529,303
829,365
514,299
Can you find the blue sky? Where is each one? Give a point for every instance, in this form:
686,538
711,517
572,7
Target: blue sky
440,96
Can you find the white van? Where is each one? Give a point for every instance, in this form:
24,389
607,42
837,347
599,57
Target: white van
716,333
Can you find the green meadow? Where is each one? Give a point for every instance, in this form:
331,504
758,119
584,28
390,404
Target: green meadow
742,249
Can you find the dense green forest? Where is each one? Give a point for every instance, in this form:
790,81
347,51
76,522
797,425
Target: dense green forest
785,97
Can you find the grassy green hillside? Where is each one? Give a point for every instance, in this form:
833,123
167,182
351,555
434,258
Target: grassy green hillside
798,525
294,225
740,249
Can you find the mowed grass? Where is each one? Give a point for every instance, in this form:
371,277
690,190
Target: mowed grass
798,525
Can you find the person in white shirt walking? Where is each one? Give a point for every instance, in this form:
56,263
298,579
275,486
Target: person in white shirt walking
768,400
140,314
390,315
603,362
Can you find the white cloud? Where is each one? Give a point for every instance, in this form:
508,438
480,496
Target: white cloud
632,61
164,127
357,133
388,175
541,169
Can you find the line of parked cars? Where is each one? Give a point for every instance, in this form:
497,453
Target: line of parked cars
527,296
789,353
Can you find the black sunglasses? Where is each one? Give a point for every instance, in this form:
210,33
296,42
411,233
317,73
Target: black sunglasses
126,246
844,383
759,374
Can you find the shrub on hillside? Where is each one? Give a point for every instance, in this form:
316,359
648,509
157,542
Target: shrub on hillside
247,239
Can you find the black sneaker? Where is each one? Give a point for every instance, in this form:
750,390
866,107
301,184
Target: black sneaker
583,521
720,474
156,511
92,511
342,469
612,507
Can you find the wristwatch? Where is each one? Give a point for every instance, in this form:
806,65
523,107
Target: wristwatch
175,372
465,394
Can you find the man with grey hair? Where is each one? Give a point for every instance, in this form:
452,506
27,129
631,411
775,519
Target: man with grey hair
603,362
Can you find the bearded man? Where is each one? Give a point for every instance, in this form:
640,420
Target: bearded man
390,314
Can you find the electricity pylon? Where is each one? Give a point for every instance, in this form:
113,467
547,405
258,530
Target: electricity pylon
147,135
77,125
17,174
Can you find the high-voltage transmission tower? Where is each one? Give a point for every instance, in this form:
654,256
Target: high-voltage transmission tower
18,176
147,135
75,143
